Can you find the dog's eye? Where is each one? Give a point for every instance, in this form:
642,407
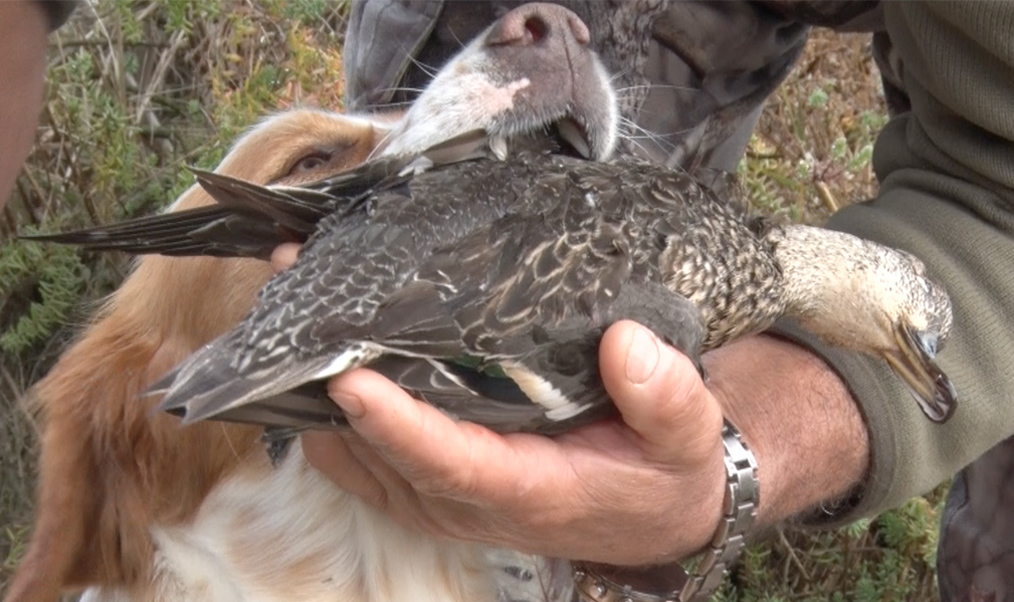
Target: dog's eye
309,163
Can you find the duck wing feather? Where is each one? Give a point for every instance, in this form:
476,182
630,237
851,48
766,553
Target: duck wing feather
250,220
503,300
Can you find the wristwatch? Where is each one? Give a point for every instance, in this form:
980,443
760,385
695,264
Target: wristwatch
674,583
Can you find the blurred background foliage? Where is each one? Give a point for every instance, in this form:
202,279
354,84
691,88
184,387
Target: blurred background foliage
138,89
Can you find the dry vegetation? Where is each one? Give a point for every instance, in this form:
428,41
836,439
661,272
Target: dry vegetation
138,89
811,151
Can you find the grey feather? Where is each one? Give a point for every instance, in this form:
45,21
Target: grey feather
520,264
251,220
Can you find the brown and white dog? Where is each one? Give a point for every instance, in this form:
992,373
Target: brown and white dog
133,507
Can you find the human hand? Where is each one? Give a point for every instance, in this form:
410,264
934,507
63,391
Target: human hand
644,490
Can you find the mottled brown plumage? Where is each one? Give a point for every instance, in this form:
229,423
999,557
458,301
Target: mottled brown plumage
484,287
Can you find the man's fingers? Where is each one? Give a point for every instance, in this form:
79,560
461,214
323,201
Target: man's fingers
457,468
659,393
329,453
284,256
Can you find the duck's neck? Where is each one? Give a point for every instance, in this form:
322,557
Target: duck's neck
826,277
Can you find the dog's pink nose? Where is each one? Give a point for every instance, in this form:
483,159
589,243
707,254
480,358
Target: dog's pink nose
538,23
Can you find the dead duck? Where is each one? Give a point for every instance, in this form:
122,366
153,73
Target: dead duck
483,286
514,267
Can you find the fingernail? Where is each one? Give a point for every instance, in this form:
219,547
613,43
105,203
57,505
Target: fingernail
350,404
642,356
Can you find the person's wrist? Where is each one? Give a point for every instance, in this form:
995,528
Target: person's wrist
697,580
740,500
701,517
799,419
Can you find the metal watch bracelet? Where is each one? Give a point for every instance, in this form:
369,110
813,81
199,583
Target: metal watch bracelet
673,583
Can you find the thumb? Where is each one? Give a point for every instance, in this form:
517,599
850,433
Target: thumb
659,394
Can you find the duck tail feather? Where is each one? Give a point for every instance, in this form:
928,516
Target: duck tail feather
167,234
295,209
212,382
304,407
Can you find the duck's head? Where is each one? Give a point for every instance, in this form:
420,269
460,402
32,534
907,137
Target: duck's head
871,298
917,313
913,360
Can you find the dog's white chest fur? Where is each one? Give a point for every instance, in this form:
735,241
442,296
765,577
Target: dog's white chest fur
284,534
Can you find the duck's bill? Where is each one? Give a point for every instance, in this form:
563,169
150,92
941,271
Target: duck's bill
914,360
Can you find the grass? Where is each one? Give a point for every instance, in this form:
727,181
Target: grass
139,89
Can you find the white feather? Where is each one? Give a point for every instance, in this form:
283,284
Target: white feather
541,391
356,354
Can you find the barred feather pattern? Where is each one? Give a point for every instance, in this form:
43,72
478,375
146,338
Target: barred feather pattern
522,263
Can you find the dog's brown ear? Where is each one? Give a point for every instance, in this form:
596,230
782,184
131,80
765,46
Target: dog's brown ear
111,467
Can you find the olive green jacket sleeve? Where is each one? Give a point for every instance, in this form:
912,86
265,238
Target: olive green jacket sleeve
947,195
